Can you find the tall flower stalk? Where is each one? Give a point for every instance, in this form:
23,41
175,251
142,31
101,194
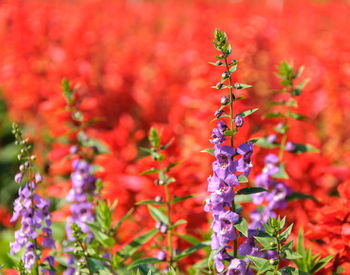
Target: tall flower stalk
33,211
231,167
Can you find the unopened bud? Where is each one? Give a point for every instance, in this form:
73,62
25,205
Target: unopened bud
225,75
239,121
163,228
218,113
158,198
219,85
224,100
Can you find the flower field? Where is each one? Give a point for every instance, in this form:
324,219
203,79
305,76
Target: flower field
116,102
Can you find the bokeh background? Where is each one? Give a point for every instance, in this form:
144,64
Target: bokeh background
145,63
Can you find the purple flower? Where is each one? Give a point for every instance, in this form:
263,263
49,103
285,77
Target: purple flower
19,177
244,163
236,267
219,258
224,227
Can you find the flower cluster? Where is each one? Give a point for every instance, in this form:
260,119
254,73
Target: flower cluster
83,185
276,199
31,208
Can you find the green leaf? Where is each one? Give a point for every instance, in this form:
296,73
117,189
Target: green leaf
298,89
230,132
251,190
241,86
299,196
242,178
209,150
262,142
97,265
297,116
275,114
104,215
291,255
282,128
189,238
242,227
100,236
154,138
281,174
216,64
243,198
259,262
299,72
248,112
129,249
178,199
182,221
127,215
322,263
157,214
167,169
150,171
285,234
274,103
233,68
150,202
189,251
268,243
162,147
68,94
305,148
150,260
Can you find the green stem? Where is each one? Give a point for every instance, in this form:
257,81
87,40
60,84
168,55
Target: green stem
170,243
86,257
231,97
279,255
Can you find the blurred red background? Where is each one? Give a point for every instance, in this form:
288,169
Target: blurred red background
144,63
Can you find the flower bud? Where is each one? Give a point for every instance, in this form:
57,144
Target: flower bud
38,177
219,85
236,86
271,138
290,146
158,224
224,100
218,113
161,256
225,75
158,198
21,168
163,228
218,63
239,121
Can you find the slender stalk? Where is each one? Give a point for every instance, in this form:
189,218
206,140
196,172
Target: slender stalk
85,256
231,97
284,137
170,243
279,256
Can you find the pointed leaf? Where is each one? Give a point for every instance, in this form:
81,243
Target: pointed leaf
242,227
157,214
251,190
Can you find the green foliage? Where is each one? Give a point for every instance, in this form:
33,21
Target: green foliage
308,262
